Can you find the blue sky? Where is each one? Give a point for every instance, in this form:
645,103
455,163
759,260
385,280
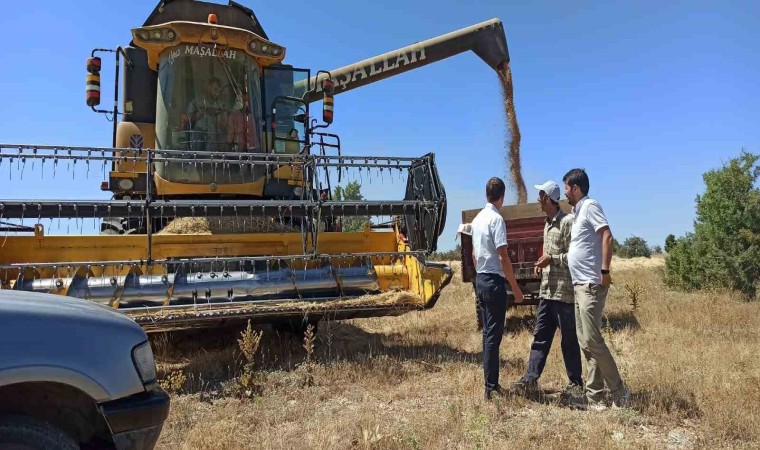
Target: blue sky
646,96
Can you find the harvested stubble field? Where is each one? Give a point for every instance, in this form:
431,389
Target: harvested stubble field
415,381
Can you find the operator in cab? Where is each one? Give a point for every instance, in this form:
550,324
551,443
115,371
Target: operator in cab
222,125
242,135
208,115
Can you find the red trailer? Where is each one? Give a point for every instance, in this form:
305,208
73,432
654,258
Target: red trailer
525,238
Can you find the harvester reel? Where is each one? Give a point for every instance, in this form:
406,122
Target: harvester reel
280,267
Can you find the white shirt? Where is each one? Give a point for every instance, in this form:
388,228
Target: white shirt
489,232
585,254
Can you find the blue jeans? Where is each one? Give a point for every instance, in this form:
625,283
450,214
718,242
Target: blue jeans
491,290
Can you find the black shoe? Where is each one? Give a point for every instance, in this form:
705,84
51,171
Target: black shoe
524,387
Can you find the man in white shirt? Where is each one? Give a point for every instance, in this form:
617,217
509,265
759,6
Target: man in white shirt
589,258
492,265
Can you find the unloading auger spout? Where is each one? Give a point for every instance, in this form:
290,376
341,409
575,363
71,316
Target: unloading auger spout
485,39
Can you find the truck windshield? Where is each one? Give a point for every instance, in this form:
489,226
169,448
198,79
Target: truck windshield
209,99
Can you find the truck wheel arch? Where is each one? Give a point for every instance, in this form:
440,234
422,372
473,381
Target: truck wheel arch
56,375
65,407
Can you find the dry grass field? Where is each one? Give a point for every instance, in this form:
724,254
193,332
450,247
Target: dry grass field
415,381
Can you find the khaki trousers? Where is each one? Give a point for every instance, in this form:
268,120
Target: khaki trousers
589,309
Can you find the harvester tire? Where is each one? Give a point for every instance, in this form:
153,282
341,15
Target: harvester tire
18,431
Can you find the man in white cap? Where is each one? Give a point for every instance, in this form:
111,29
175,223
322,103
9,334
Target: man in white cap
556,308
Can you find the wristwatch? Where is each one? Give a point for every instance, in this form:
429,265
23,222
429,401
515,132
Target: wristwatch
605,272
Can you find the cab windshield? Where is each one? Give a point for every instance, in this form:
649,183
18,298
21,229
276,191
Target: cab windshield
209,99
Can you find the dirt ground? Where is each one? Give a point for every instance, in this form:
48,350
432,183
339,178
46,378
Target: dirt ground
415,381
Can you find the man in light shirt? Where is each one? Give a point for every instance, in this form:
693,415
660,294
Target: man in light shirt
589,260
492,265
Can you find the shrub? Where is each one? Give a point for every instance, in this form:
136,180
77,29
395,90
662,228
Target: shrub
723,251
670,242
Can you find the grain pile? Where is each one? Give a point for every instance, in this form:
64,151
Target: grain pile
389,298
400,299
204,225
512,134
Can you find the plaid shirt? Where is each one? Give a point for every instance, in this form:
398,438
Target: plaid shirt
556,283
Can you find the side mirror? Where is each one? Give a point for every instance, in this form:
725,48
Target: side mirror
92,95
328,100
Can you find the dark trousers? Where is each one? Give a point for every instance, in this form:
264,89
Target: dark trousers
478,309
492,298
553,314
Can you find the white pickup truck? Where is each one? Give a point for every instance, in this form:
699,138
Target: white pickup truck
75,374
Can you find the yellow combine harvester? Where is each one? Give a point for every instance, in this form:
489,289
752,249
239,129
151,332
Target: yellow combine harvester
214,127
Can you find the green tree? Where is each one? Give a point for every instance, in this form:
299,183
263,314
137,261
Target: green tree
723,251
352,192
634,247
670,242
448,255
656,249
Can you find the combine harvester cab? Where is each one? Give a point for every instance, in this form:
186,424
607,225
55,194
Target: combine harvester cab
222,182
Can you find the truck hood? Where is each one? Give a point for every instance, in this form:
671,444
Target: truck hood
19,303
52,338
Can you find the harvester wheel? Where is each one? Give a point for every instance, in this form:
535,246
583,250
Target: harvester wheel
121,226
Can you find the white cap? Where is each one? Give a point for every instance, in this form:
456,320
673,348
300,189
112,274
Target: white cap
550,188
